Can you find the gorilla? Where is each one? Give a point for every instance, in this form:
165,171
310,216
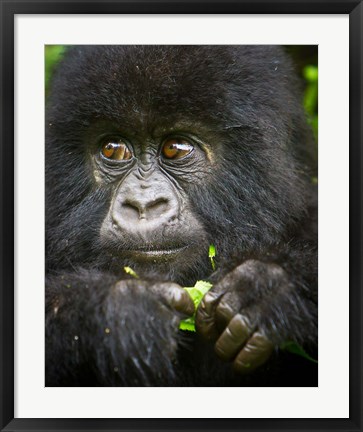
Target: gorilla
154,153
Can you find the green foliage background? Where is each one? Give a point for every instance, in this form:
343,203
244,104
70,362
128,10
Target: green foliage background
52,54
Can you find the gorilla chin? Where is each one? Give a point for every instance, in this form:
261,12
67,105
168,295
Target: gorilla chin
183,264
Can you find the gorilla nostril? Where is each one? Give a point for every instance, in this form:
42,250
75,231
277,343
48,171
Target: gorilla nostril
157,208
131,211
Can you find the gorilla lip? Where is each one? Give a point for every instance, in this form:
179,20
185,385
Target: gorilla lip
154,254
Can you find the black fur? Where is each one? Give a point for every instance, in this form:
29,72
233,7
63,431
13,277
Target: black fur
252,197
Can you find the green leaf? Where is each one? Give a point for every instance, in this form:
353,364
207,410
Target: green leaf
212,254
203,286
311,76
311,73
197,292
53,54
295,348
187,324
131,272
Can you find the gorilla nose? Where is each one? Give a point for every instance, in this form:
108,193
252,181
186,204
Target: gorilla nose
133,209
135,214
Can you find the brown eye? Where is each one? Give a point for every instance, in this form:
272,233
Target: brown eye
116,150
176,149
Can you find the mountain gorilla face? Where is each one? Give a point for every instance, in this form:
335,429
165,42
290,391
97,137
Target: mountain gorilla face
150,221
152,154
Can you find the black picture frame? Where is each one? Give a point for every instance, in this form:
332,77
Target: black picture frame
8,10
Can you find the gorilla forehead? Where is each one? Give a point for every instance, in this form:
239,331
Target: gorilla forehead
151,82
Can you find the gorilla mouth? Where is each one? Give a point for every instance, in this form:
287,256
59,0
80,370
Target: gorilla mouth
155,254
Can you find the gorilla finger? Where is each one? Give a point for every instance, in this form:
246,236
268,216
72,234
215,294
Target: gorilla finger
254,354
176,297
227,308
205,316
233,338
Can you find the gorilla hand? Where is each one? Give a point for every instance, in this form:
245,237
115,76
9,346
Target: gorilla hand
145,344
171,295
242,311
112,332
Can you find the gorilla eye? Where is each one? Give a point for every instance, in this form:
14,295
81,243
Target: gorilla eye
176,149
116,150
